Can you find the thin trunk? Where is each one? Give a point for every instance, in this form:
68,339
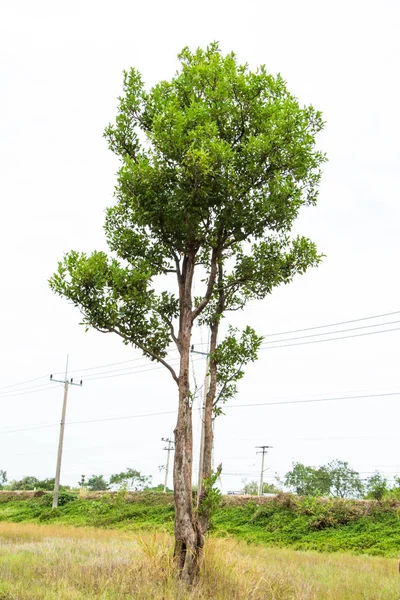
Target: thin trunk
203,516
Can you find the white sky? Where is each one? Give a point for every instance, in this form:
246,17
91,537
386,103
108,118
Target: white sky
60,74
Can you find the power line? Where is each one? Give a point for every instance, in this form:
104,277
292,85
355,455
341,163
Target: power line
122,417
396,312
23,382
345,337
314,400
102,419
302,337
138,369
43,388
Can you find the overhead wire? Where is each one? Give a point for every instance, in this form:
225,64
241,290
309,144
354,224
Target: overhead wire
345,337
278,403
302,337
265,346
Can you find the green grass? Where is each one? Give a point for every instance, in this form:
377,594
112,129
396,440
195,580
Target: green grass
301,524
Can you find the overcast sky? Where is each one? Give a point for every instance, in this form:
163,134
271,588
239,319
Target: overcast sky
61,69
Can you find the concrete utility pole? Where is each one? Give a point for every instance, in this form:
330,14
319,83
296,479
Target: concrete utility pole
203,412
169,450
61,438
264,450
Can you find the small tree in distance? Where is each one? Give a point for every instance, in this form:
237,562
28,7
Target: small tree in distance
376,486
130,479
97,483
216,165
252,488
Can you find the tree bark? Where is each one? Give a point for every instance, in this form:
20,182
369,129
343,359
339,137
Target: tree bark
186,546
203,516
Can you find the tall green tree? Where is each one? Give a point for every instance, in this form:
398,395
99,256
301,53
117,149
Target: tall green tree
216,165
3,478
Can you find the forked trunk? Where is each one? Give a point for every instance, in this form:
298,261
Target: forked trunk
186,542
190,527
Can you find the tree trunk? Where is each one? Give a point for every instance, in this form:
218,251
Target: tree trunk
186,539
203,516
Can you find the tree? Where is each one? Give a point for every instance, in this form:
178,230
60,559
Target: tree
26,483
345,482
215,166
131,479
334,479
376,486
251,488
97,483
3,478
308,481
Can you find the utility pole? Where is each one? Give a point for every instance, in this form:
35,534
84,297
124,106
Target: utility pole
169,450
203,412
62,426
264,450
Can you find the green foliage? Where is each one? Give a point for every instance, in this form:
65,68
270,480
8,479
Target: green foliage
376,487
33,483
211,497
334,479
215,166
131,479
26,483
97,483
308,481
252,488
231,356
368,527
345,482
3,478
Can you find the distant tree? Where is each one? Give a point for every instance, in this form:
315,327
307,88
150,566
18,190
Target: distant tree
252,488
26,483
47,484
376,487
97,483
3,478
334,479
82,481
308,481
270,488
344,481
131,479
158,488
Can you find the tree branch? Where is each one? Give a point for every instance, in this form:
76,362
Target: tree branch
142,348
210,286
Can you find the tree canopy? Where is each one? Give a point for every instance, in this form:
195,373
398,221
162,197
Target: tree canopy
334,479
215,163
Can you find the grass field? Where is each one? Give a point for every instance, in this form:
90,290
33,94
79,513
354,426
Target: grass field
43,562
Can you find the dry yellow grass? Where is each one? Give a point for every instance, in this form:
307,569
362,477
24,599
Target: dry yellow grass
50,562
